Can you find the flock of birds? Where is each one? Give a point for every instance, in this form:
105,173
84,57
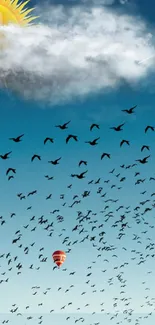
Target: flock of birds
93,228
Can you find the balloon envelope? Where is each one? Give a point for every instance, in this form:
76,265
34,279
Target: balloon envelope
59,257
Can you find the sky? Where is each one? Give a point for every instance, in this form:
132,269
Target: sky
82,63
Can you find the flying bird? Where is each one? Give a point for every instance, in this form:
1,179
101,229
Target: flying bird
18,139
145,147
130,110
5,156
54,162
94,125
124,141
63,126
70,136
32,193
10,177
79,176
93,142
82,162
11,170
144,160
149,127
104,154
118,128
35,156
48,139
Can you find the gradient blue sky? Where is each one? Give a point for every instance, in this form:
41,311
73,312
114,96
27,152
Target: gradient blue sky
37,121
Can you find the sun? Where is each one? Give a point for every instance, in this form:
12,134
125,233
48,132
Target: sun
14,12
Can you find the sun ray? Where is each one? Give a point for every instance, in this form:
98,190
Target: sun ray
16,12
22,5
26,12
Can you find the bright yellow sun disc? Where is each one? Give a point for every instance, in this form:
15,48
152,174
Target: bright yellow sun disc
6,16
13,12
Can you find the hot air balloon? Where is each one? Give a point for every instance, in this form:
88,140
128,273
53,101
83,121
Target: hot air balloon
59,257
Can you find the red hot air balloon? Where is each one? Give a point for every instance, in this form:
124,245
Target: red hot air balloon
59,257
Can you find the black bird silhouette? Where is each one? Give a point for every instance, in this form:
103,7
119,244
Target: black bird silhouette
18,139
94,125
11,170
144,160
49,197
145,147
79,176
63,126
49,177
149,127
130,110
117,128
111,172
124,141
104,154
31,193
82,162
10,177
48,139
93,142
54,162
5,156
71,136
35,156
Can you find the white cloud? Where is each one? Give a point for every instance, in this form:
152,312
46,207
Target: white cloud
122,2
75,52
100,2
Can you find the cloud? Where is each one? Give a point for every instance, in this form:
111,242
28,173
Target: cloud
75,52
122,2
100,2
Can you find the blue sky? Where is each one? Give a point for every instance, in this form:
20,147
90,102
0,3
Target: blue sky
36,119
